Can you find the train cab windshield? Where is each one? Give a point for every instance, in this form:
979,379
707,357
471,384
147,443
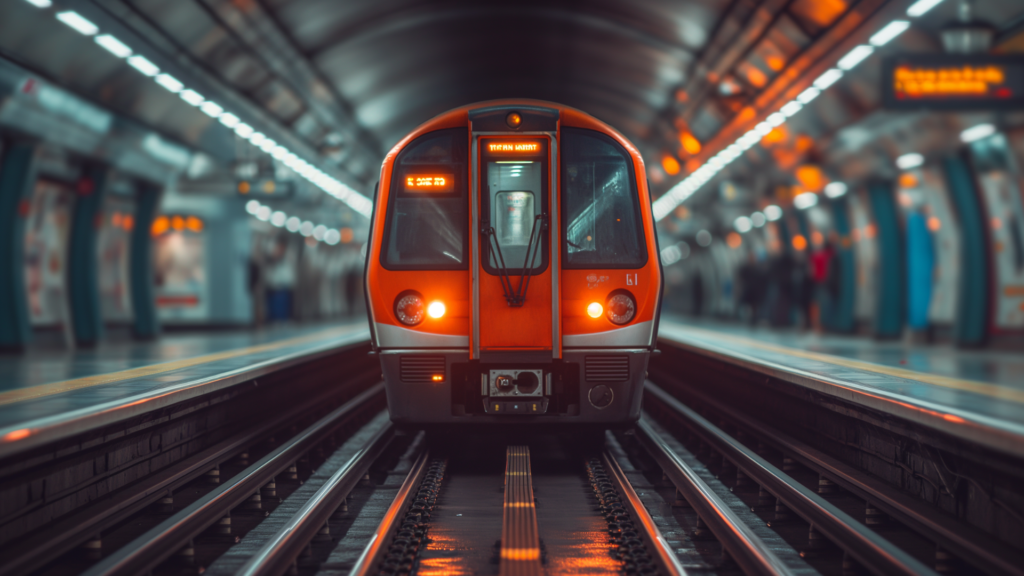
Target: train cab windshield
601,225
427,212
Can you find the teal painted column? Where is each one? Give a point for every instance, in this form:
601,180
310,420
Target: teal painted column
891,310
974,297
17,178
83,283
145,324
843,307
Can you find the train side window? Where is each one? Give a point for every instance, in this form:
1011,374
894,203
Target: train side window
426,222
601,223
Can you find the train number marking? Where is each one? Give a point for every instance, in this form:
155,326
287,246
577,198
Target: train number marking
631,280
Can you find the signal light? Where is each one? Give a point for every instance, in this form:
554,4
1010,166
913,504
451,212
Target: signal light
437,378
436,309
513,120
594,310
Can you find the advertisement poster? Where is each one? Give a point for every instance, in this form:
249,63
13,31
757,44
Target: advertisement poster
46,240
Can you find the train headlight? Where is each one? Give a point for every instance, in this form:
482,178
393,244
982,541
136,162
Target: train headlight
436,309
621,307
594,310
409,308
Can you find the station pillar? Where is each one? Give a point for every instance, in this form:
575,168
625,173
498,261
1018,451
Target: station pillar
891,309
82,266
973,294
17,177
843,305
145,325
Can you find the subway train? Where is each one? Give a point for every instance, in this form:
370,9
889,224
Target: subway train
512,272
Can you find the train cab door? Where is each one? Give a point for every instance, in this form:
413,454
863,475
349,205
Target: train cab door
516,307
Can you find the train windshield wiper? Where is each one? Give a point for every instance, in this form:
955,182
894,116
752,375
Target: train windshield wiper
516,298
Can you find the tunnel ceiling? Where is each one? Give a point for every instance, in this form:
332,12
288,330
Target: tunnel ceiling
400,62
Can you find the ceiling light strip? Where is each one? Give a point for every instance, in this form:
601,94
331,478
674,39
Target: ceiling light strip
332,186
688,186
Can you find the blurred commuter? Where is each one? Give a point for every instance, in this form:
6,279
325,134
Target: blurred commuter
280,279
780,277
822,265
752,288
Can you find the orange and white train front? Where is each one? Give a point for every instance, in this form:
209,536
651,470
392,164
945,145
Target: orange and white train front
512,272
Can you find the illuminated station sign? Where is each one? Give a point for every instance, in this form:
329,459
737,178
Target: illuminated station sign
953,82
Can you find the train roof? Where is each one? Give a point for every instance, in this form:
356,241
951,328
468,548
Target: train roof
568,116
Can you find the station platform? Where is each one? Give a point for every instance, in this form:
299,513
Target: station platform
46,393
977,395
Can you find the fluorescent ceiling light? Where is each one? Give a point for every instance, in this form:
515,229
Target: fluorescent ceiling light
828,78
293,224
306,229
243,130
977,133
278,218
78,22
891,30
192,97
919,8
807,95
211,108
257,138
776,119
268,145
835,189
908,161
40,3
743,224
319,232
762,129
170,83
264,213
773,213
143,65
758,219
332,236
805,200
252,206
854,57
791,108
228,119
114,46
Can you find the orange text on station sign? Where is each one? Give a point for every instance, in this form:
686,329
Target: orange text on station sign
515,147
429,182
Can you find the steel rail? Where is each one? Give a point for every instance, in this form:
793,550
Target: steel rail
278,554
874,552
750,552
150,549
374,551
968,542
41,549
664,554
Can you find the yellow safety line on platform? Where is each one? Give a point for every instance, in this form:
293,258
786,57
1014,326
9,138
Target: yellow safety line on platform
22,394
985,388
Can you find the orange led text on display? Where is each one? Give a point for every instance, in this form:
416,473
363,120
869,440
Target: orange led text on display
931,82
429,182
515,147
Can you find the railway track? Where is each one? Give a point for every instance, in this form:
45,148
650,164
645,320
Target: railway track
840,519
680,492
